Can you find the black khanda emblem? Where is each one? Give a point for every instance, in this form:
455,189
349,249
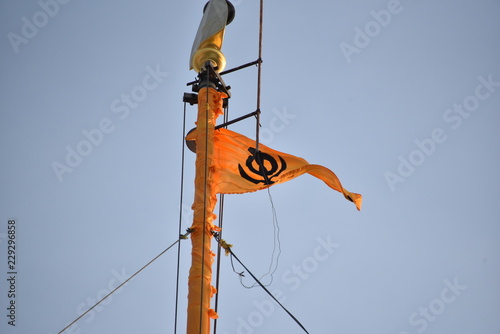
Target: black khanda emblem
263,165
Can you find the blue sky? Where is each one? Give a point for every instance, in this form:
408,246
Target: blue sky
399,98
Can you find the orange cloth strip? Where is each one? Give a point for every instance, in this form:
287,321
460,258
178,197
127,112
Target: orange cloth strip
200,275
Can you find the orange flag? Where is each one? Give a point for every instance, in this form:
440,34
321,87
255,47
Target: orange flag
236,167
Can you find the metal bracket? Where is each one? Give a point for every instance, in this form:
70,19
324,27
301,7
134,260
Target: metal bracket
190,98
210,77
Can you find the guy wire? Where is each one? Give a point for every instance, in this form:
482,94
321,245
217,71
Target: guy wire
124,282
181,202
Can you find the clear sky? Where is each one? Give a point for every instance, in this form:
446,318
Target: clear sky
400,99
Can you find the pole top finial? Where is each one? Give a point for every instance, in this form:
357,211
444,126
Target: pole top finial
208,41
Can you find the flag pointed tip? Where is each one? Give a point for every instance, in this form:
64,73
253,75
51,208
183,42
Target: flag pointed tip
357,199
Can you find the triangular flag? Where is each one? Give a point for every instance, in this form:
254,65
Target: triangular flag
237,167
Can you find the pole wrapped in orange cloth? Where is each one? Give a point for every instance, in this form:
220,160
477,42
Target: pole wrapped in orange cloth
238,167
200,274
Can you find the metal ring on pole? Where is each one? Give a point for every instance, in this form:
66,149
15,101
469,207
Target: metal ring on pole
209,54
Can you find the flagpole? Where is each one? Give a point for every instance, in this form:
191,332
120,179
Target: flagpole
200,274
207,60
